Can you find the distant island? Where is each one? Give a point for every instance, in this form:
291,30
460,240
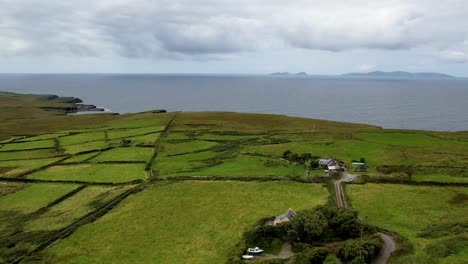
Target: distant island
399,74
289,74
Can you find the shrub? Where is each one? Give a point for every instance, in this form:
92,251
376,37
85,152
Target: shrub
447,247
358,252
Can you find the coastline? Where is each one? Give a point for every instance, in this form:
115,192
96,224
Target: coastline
76,105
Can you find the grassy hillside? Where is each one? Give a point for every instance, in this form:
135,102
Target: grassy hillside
429,217
115,188
184,222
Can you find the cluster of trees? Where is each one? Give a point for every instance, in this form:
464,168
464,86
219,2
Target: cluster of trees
316,226
359,251
301,158
324,222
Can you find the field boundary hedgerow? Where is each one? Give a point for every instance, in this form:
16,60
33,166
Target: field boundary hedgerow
86,219
25,180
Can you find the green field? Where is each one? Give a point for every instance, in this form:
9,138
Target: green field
202,220
14,167
124,133
28,145
70,210
92,172
33,197
81,157
124,154
170,219
409,210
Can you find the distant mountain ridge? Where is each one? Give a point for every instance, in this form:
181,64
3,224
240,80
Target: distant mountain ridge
400,74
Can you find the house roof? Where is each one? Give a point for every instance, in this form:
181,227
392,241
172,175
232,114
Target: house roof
290,214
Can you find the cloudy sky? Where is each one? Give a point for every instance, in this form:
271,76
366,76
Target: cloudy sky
225,36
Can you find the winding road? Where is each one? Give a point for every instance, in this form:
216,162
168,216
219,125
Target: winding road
389,243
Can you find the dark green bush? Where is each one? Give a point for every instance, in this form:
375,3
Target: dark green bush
447,247
359,252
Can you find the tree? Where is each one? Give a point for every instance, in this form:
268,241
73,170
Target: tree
314,163
286,154
343,221
307,226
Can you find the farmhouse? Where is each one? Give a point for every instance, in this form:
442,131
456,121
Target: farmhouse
286,217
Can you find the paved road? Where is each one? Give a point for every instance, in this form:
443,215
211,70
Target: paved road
389,244
388,247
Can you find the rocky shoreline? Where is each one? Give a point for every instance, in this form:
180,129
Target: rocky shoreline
75,105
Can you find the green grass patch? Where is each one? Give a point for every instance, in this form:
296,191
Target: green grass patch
410,212
34,197
88,146
185,222
124,133
149,139
186,147
138,120
222,137
398,138
438,178
27,154
92,173
28,145
124,154
81,138
70,210
42,137
182,163
14,167
243,165
80,157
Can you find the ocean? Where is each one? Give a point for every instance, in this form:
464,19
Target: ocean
423,104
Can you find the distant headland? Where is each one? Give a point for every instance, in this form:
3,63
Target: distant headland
377,74
399,74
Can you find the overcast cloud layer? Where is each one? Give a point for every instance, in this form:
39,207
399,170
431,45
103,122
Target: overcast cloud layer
207,30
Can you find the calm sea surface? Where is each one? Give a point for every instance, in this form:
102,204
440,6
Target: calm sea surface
428,104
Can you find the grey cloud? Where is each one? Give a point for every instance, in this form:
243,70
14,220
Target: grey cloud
211,29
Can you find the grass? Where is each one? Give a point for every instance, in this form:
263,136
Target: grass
183,163
250,166
92,173
81,157
410,211
81,138
148,139
124,154
187,147
124,133
29,154
399,138
84,147
33,197
201,221
14,167
27,145
438,178
70,210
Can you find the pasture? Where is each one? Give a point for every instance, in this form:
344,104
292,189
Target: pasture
202,220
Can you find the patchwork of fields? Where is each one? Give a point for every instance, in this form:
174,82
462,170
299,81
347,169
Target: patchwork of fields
138,187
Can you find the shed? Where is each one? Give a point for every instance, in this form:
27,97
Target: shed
357,164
